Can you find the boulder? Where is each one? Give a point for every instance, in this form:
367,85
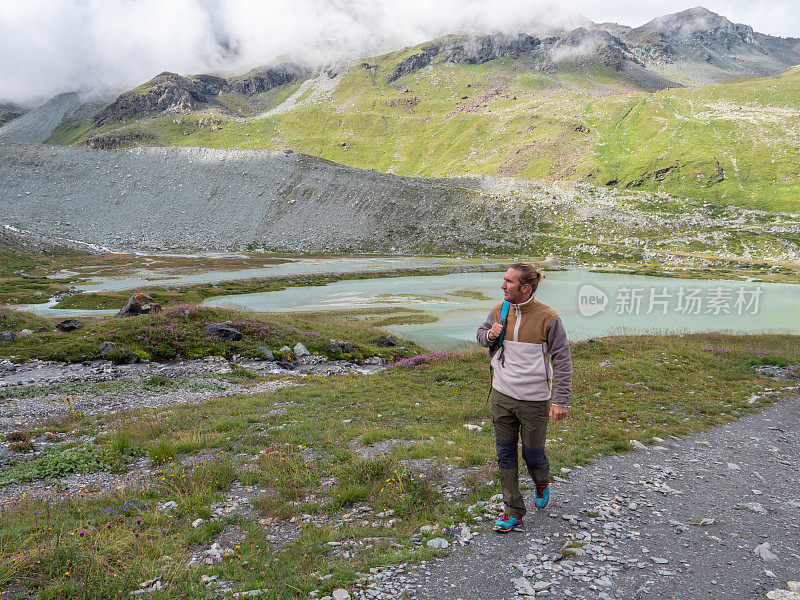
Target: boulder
6,337
107,349
69,325
139,304
337,346
387,340
42,329
224,330
285,350
25,332
110,351
300,350
265,352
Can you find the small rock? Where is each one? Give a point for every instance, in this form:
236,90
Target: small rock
139,304
606,363
250,593
107,348
197,522
387,340
300,350
524,587
465,535
266,353
734,467
285,350
6,337
337,346
224,330
340,594
794,586
25,332
475,428
783,595
755,507
438,543
659,561
763,551
167,506
69,325
637,445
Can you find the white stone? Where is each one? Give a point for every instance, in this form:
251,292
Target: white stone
763,551
340,594
783,595
637,445
471,427
438,543
300,351
197,522
755,507
794,586
524,587
734,467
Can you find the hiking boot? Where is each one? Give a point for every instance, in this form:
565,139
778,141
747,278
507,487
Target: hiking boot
541,497
508,523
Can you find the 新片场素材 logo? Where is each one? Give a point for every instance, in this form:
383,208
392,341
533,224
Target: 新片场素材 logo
591,300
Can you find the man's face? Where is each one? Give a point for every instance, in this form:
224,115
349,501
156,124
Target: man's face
512,289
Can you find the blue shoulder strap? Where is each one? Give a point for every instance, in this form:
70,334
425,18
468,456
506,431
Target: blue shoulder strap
503,321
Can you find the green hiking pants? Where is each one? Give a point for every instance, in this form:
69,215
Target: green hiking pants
513,419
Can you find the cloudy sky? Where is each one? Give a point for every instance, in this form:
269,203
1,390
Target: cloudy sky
103,47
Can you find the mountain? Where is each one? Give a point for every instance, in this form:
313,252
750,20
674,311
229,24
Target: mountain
172,92
697,46
603,104
10,111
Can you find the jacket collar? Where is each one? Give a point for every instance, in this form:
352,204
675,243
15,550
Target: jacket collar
525,306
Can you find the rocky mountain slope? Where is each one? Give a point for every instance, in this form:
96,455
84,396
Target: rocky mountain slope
193,198
10,111
576,106
174,93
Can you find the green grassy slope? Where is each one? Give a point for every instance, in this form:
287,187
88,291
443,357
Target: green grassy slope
732,143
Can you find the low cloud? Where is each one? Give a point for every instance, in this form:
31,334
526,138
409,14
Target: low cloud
102,47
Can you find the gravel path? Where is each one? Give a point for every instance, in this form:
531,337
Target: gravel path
682,520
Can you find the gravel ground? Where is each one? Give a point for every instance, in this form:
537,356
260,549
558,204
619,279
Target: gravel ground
18,411
712,515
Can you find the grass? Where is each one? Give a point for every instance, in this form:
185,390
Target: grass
302,459
179,331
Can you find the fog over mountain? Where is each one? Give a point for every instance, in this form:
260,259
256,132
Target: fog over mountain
101,47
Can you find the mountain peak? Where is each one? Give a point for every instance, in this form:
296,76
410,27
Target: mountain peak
684,24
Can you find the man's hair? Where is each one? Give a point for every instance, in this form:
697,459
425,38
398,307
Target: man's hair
528,274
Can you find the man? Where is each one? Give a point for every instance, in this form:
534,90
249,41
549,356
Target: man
533,350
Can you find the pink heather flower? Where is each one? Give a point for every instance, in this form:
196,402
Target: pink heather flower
82,532
138,521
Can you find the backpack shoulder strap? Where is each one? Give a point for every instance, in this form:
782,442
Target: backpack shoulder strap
498,341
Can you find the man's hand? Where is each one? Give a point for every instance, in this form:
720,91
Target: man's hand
557,412
495,331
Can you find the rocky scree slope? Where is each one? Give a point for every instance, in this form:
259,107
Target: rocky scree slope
195,198
37,125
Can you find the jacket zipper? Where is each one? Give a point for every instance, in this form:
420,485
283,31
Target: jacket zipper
546,369
518,314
